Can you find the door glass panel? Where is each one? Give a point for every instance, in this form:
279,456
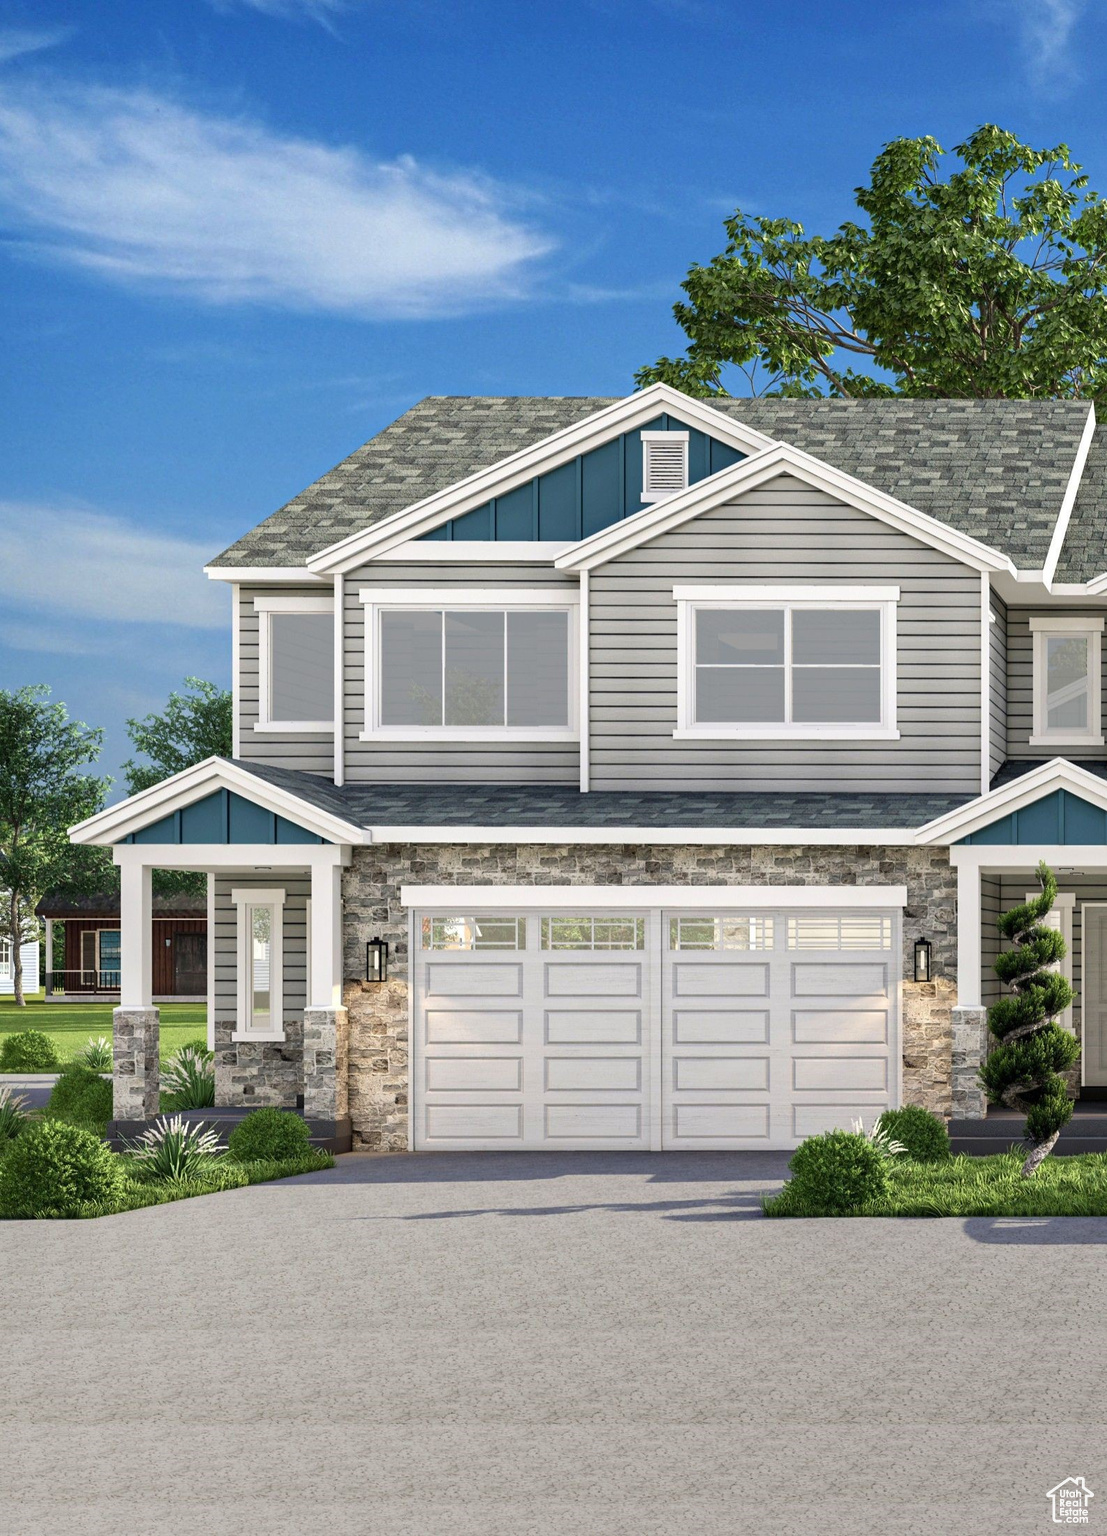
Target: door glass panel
261,939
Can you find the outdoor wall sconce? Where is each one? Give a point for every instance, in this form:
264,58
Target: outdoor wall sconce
922,959
376,960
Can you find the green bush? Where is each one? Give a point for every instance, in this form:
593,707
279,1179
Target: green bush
269,1135
80,1096
30,1051
53,1168
924,1136
13,1114
837,1172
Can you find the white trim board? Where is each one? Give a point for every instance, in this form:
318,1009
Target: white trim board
1068,500
272,575
518,468
625,898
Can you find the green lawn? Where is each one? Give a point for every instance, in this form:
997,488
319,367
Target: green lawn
981,1186
69,1025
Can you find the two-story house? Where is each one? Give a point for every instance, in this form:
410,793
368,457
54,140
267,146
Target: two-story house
643,773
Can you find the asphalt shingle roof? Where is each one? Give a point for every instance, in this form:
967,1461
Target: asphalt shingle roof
994,469
1084,552
558,805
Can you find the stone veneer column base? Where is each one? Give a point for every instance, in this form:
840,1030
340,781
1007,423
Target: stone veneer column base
136,1069
970,1046
326,1063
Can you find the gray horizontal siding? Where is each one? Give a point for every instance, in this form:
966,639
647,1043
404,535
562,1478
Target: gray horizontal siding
785,532
310,751
298,889
997,650
443,762
1020,687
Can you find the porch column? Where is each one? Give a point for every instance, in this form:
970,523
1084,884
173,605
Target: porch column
968,1017
135,1065
47,981
326,1026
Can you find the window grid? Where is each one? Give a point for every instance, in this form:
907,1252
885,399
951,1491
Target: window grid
593,933
844,932
721,933
473,933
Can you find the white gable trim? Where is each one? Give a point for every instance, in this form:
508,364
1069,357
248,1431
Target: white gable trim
1068,501
624,416
191,784
781,458
1058,773
269,575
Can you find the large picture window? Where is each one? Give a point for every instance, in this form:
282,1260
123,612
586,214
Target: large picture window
295,663
473,670
766,662
1067,684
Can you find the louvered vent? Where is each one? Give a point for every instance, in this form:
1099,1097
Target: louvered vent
664,464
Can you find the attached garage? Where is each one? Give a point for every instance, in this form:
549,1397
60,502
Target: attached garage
573,1024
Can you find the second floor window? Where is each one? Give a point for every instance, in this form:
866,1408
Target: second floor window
1067,709
472,671
808,663
296,663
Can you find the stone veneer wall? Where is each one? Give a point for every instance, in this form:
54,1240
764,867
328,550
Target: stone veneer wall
379,1046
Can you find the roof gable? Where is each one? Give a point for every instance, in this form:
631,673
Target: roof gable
1055,804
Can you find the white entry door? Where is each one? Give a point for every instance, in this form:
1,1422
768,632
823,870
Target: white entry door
651,1029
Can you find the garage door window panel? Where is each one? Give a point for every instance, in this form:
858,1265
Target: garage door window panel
474,933
593,933
711,933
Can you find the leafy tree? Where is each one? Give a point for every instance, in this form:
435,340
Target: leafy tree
988,283
1023,1069
193,726
43,791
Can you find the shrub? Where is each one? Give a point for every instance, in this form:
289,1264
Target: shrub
80,1096
189,1078
176,1148
97,1054
837,1172
30,1051
924,1136
53,1168
13,1116
269,1135
199,1044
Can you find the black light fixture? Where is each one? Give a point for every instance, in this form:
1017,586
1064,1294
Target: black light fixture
376,960
922,959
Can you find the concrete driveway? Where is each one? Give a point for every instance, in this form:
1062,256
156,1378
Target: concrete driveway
579,1345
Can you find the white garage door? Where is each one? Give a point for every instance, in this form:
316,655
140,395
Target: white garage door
651,1029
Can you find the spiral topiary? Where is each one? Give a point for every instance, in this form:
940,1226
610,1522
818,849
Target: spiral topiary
1022,1070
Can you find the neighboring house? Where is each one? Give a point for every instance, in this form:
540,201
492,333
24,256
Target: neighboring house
85,968
681,753
29,954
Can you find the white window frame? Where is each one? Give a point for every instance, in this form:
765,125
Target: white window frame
378,600
246,899
7,951
265,607
679,439
689,599
1047,626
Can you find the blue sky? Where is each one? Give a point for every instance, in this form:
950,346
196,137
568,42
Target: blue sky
240,236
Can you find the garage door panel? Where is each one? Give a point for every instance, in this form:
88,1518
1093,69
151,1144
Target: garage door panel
473,1122
816,1119
471,1026
567,979
852,1026
464,1074
714,1073
720,1026
593,1122
693,978
839,980
726,1122
445,979
851,1073
592,1026
576,1074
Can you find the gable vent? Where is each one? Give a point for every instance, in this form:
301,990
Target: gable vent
664,464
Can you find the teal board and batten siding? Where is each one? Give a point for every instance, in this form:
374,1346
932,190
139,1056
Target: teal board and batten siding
223,817
309,751
297,892
785,532
1059,818
1020,687
997,684
427,760
588,493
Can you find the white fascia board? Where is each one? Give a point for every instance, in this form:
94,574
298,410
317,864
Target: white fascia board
518,468
183,788
755,471
240,858
1068,500
270,575
841,837
994,857
697,898
1058,773
1095,588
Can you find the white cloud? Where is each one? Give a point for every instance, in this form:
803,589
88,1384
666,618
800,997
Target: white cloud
73,564
290,10
1047,33
143,189
16,41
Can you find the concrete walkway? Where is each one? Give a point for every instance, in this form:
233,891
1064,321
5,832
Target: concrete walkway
545,1345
